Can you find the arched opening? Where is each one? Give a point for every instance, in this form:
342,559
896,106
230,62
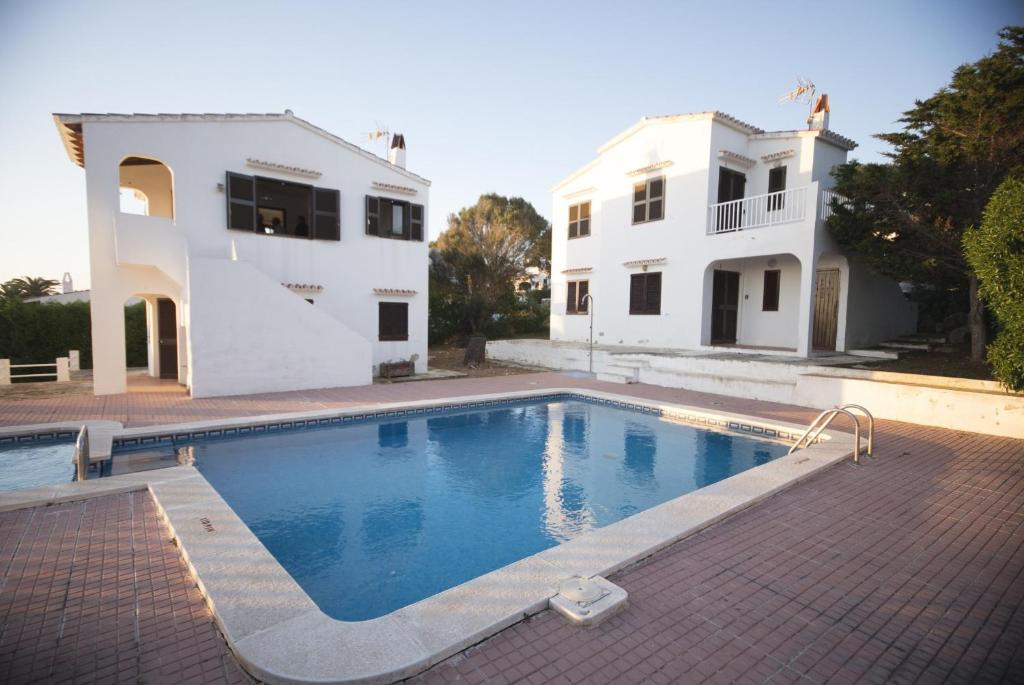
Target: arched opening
134,201
147,187
753,302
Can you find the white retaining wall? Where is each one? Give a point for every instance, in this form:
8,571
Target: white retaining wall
959,404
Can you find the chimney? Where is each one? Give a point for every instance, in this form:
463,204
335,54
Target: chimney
396,155
818,121
66,285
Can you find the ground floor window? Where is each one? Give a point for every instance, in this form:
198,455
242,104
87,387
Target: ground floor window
645,293
770,298
393,320
575,299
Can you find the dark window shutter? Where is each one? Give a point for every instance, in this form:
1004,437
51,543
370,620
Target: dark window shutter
326,214
776,183
582,288
585,219
241,193
416,222
636,293
372,215
570,298
770,298
393,320
653,294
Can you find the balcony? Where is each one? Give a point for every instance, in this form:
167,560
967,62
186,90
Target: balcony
770,209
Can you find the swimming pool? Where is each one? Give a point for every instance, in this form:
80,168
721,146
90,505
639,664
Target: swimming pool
35,464
378,514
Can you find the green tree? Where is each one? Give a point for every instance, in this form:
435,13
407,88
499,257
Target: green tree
908,217
28,286
475,262
995,252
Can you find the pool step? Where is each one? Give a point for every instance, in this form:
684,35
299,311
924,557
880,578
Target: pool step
613,377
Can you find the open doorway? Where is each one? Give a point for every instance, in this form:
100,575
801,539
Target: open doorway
167,338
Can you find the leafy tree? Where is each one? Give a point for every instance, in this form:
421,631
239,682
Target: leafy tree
475,262
908,217
995,252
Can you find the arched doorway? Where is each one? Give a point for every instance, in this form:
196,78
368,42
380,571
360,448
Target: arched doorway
146,187
167,338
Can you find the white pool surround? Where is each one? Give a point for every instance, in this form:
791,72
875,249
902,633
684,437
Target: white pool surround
279,634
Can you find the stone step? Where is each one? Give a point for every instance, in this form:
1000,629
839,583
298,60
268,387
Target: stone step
875,353
610,377
909,345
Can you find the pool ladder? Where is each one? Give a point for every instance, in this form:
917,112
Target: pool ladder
825,418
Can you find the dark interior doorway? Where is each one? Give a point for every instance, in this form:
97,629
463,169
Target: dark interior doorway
167,336
725,299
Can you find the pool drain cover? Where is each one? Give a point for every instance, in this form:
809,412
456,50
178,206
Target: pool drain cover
587,601
580,590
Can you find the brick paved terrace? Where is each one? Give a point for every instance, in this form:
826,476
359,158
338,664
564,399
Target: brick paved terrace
906,569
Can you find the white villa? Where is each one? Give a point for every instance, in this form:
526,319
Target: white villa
700,231
272,255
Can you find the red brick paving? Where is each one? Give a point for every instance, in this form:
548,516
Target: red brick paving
96,592
908,568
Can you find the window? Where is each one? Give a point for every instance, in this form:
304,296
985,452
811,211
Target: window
579,220
574,298
770,298
274,207
393,320
645,293
396,219
776,184
147,187
649,200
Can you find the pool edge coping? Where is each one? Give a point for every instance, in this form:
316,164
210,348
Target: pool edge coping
276,630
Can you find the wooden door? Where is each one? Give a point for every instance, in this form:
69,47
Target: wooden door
826,309
731,185
725,299
167,336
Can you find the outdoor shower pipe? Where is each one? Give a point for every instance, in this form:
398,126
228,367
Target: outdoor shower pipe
589,299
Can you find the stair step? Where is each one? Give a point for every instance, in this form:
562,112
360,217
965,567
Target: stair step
906,345
609,377
875,353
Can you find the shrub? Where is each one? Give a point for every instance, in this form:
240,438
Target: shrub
995,252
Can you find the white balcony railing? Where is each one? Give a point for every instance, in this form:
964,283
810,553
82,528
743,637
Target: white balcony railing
769,209
827,197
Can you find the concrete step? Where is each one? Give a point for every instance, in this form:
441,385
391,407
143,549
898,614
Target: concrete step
875,353
909,345
610,377
935,338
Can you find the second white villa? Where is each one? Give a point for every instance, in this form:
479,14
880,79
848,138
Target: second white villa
700,231
272,255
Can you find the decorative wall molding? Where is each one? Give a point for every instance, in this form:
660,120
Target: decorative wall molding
392,188
644,262
776,156
736,158
650,167
578,270
579,193
394,292
304,287
282,168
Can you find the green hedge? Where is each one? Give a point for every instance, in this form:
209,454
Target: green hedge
36,332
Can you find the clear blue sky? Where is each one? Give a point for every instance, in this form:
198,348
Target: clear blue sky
505,98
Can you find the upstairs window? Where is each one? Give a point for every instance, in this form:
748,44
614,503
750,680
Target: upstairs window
776,184
579,220
575,298
396,219
770,298
649,200
393,320
645,293
274,207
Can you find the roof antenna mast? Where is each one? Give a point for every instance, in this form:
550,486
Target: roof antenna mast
377,134
804,92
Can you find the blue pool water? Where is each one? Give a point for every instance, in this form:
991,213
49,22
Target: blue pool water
373,516
35,464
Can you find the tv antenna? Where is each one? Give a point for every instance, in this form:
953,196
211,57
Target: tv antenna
804,92
378,133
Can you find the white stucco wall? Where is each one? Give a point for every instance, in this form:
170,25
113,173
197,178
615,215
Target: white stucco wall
198,153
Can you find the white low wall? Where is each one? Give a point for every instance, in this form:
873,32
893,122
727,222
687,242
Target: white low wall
958,404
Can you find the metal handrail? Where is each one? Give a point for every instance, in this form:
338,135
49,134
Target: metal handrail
82,454
819,425
871,426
